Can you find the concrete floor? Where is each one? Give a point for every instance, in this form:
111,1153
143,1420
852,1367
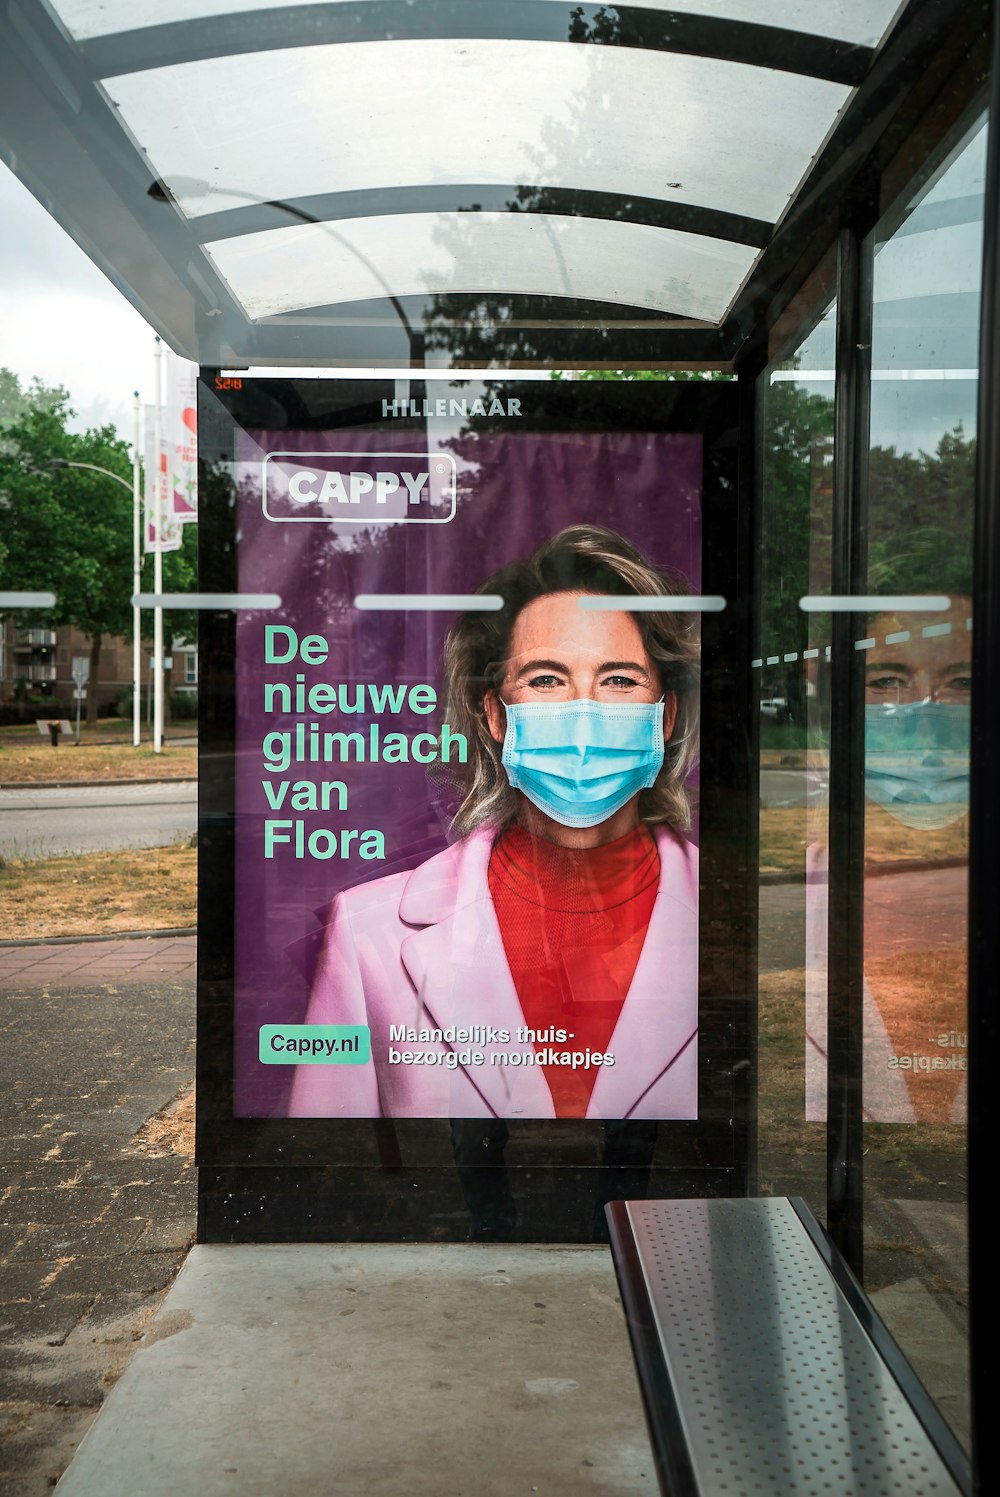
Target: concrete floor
395,1371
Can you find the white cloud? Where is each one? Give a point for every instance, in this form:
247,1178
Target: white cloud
61,318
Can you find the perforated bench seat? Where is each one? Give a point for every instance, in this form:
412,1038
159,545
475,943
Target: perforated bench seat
765,1371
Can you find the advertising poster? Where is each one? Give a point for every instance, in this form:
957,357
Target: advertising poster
466,876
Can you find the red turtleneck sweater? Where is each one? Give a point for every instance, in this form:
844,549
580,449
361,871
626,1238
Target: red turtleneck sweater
573,923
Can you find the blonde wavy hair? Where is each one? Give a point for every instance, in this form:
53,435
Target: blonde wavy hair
584,559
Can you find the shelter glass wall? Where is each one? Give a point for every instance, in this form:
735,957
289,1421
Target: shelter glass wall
915,478
927,255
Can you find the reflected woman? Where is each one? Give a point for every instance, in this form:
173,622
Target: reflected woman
545,965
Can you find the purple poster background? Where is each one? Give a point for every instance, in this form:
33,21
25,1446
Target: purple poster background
516,487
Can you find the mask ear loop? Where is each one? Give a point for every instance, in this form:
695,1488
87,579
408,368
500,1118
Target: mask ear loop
672,742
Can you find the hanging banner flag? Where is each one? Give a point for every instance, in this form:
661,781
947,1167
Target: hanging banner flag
179,437
161,529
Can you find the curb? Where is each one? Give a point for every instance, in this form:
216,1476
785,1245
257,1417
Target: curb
94,784
119,935
872,870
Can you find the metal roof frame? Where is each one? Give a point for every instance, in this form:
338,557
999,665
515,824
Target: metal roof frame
62,136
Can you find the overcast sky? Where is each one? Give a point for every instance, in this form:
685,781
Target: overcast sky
61,318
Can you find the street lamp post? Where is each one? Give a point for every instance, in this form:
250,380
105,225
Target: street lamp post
133,487
158,557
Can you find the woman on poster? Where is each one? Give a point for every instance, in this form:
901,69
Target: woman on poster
545,964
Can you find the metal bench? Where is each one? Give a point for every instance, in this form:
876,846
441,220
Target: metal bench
765,1371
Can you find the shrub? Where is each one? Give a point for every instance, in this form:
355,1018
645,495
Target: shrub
183,704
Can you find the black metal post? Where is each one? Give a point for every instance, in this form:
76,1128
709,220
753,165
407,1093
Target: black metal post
751,480
984,827
845,968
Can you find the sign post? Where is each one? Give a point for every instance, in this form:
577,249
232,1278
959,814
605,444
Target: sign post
81,675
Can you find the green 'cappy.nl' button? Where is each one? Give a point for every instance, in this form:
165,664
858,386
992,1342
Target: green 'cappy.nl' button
315,1044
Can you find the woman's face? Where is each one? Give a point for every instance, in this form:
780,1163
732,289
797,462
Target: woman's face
560,651
908,664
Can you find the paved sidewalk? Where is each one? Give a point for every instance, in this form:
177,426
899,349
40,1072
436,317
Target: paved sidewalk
82,963
98,1198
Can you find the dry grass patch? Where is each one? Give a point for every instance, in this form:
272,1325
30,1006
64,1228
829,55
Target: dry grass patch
26,763
98,893
787,831
909,988
169,1131
784,837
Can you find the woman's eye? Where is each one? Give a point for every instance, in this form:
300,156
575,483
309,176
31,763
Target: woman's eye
886,683
623,683
959,683
543,682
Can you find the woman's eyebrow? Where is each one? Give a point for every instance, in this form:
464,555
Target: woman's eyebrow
563,668
543,665
889,665
623,665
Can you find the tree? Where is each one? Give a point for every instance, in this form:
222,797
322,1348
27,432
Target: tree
15,401
630,376
921,517
69,531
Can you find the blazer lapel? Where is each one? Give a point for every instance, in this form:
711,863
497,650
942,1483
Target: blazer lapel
659,1018
458,966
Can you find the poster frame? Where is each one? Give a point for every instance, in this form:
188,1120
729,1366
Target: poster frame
318,1179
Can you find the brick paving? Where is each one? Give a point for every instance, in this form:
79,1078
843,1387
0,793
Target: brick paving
96,1212
147,959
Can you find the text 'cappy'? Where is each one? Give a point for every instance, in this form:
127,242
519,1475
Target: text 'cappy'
388,488
307,487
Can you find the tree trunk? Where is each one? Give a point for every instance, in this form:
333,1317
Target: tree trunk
92,685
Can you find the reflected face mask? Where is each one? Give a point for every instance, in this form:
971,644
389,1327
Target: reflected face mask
581,761
917,761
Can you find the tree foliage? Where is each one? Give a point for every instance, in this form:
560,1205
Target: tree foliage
919,529
69,531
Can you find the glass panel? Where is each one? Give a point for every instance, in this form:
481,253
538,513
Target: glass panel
278,125
924,352
792,670
314,265
863,21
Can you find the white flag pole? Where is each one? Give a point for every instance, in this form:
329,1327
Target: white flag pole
158,561
136,581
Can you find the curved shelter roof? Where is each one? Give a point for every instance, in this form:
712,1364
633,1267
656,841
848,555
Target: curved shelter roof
345,181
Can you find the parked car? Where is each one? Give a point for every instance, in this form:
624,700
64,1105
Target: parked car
775,708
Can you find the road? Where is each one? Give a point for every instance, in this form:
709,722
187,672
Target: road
38,823
792,787
914,911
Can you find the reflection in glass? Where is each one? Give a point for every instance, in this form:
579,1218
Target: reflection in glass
917,700
917,703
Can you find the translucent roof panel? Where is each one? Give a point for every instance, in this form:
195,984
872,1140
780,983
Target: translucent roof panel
283,270
860,21
301,121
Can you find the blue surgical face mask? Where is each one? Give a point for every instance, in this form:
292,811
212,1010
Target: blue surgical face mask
917,761
581,761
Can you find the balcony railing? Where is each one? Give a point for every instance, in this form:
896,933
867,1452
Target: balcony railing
35,673
30,639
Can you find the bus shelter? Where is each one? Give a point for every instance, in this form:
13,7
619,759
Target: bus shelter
679,314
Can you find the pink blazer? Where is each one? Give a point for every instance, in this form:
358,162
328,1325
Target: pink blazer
424,949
